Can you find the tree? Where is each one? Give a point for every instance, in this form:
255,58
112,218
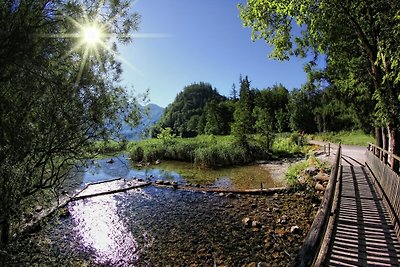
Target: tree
352,34
190,102
243,119
234,95
58,93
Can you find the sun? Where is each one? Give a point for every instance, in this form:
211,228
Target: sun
91,35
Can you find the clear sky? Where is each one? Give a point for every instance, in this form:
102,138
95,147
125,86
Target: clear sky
193,41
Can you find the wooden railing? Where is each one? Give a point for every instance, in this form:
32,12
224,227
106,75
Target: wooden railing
313,245
383,164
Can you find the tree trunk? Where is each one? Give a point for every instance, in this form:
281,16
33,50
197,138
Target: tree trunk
378,140
394,146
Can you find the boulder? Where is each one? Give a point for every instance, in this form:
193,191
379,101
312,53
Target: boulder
157,162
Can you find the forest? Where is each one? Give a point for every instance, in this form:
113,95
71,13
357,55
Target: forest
200,109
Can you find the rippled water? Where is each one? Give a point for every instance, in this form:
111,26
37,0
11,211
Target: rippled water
236,177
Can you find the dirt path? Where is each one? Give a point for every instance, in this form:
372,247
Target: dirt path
351,155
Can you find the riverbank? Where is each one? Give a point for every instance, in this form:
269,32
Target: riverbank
164,227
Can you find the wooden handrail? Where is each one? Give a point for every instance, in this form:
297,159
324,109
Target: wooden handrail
388,181
384,156
312,244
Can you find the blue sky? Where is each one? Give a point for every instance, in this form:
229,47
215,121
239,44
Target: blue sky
195,41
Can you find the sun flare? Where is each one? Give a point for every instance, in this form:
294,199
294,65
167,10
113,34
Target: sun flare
91,35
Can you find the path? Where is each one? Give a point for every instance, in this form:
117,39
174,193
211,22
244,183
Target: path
363,234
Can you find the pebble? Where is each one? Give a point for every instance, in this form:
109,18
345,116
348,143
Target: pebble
247,221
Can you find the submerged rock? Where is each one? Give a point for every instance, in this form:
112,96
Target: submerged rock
110,161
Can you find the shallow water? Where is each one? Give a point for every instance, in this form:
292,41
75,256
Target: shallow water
159,227
236,177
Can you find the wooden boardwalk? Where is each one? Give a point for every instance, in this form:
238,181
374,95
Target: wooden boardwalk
363,234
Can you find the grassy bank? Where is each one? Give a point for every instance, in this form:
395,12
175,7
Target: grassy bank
213,151
345,137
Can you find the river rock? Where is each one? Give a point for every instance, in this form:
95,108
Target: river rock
247,221
110,161
323,177
157,162
283,220
255,224
167,183
253,206
294,229
230,195
319,187
262,264
159,182
251,264
311,171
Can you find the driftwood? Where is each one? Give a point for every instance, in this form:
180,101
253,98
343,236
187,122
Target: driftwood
107,192
266,191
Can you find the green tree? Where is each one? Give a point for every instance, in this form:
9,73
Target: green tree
188,103
353,35
243,119
56,97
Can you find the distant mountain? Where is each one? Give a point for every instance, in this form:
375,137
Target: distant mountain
152,113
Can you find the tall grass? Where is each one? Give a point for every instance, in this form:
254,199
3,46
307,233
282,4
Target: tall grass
204,151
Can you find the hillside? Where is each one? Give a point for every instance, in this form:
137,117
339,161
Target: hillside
186,114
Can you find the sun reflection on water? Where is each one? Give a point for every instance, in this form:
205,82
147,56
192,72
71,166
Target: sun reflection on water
101,229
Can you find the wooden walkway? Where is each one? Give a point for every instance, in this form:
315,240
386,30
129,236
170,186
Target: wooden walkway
363,234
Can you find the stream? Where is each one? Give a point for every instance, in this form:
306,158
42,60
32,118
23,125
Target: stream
154,226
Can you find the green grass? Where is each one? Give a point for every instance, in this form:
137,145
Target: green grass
345,137
214,151
204,150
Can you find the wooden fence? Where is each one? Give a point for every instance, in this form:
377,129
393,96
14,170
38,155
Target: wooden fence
313,245
380,162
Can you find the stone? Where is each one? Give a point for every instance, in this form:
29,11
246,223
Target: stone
160,182
253,206
221,194
294,229
262,264
110,161
323,177
167,182
247,221
319,187
230,195
157,162
311,171
283,220
251,264
255,224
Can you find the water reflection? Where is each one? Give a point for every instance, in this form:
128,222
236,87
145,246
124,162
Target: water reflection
102,230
